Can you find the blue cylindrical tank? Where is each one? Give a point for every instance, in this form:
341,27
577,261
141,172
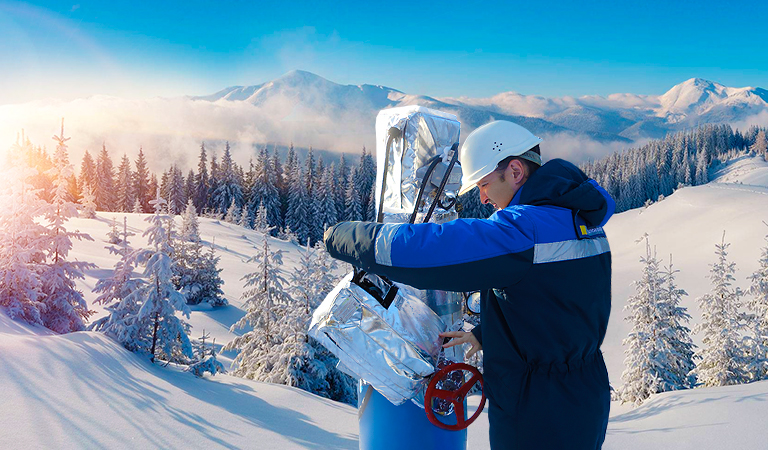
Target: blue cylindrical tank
384,426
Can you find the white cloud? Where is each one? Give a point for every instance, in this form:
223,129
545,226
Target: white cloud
171,130
760,119
578,149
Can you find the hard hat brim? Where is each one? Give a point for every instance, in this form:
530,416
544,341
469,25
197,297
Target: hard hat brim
470,181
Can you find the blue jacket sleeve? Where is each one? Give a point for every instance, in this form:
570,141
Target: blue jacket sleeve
461,255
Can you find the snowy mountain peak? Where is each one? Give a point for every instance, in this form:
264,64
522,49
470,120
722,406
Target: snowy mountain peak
698,97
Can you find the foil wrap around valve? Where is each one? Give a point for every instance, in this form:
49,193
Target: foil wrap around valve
395,346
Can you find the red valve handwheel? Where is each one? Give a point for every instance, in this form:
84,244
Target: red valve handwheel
456,397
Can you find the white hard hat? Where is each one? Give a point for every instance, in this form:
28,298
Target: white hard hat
490,144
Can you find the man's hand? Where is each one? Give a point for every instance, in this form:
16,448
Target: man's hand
462,337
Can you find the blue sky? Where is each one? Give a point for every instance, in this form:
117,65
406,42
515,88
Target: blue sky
139,49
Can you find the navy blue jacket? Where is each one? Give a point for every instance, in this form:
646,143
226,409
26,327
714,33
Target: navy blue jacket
544,266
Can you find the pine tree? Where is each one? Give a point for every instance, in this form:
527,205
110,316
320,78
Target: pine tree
22,240
642,375
106,199
196,274
233,213
342,176
265,193
87,171
202,185
176,191
189,187
259,353
227,188
89,202
65,308
758,306
365,177
141,182
352,207
296,218
326,214
311,367
722,357
314,224
760,147
125,194
245,218
160,299
120,296
679,346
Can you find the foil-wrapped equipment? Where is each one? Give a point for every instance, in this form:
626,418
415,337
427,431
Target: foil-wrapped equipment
395,346
407,140
394,349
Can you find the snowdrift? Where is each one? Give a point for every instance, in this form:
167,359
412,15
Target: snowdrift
84,390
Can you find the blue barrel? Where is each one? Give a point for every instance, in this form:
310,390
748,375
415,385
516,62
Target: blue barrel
384,426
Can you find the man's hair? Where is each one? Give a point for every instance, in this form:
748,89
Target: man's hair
530,166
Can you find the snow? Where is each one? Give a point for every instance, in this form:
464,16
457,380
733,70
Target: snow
688,224
83,390
707,418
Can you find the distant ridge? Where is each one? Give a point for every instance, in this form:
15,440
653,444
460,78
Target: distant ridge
617,118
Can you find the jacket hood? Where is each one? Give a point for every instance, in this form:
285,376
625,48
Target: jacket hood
560,183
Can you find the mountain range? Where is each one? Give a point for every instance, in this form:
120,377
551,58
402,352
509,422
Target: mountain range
300,95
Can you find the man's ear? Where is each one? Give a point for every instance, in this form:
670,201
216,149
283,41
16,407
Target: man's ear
518,170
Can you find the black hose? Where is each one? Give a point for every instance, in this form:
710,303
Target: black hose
444,181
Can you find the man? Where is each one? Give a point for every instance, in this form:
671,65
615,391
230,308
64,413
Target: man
543,265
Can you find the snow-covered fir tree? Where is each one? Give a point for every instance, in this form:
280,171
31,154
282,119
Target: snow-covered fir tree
659,354
23,240
297,215
264,192
124,186
758,306
113,236
196,273
677,336
87,171
227,188
265,301
160,299
120,295
245,218
142,190
310,366
760,146
326,214
352,206
233,213
176,191
722,358
65,307
202,185
106,197
261,221
89,202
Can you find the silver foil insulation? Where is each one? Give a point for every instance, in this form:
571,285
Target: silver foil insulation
395,349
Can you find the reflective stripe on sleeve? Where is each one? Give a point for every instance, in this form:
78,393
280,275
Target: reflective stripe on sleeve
567,250
383,245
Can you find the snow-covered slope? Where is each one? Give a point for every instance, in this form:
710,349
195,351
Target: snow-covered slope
688,224
731,417
83,390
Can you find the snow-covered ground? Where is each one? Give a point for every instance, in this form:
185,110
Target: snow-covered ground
83,390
